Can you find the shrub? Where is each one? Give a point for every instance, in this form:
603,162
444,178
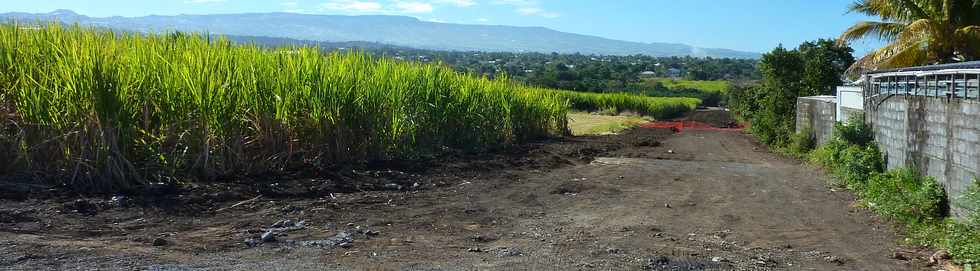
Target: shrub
905,196
854,132
969,202
858,164
803,142
962,241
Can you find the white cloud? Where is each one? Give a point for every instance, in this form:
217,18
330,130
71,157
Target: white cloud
351,6
458,3
528,8
291,7
535,11
516,2
377,6
203,1
482,20
413,7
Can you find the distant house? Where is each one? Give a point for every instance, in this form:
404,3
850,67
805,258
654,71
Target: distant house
674,72
648,74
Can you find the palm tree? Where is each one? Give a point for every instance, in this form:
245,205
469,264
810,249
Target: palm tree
918,32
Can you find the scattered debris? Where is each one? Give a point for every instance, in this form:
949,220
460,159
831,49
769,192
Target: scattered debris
159,242
508,252
484,238
939,257
905,255
119,201
665,263
392,186
268,236
344,239
239,204
82,206
283,224
252,242
834,260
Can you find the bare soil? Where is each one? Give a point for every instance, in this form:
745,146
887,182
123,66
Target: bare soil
647,199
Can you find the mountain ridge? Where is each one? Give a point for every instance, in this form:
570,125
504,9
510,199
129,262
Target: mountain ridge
395,30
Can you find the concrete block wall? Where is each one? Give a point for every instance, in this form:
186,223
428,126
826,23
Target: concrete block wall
817,113
938,137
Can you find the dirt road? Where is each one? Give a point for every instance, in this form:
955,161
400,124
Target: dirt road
648,199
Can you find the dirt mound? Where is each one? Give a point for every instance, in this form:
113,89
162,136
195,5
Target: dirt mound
699,120
714,117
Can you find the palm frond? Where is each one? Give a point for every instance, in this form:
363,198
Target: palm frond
885,31
969,39
905,56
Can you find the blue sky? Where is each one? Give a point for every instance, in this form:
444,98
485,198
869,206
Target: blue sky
750,25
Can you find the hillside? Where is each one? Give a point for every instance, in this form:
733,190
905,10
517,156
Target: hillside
394,30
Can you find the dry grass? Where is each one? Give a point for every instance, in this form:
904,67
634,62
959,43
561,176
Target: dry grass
583,123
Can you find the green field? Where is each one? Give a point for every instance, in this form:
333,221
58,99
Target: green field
709,86
97,110
656,107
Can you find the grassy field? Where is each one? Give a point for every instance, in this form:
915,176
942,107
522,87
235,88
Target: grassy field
584,123
709,86
615,103
98,110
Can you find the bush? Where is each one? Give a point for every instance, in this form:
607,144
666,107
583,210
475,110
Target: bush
858,164
803,142
855,132
969,201
905,196
902,194
962,241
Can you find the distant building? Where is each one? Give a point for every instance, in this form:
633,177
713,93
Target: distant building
674,72
648,74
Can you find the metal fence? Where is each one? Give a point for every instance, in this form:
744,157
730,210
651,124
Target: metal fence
961,80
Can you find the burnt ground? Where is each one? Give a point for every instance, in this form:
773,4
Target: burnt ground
647,199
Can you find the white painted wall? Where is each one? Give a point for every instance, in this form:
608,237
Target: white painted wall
848,97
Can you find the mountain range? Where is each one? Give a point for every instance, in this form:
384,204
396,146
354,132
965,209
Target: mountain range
384,29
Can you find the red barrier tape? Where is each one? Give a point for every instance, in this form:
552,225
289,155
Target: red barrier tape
678,126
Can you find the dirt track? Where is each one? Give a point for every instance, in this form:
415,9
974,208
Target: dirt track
649,199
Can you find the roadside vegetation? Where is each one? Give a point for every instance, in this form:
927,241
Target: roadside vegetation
852,156
97,110
813,68
917,33
902,195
